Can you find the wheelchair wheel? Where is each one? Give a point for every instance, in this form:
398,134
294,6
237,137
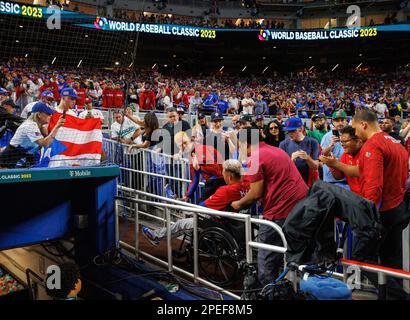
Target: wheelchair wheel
218,256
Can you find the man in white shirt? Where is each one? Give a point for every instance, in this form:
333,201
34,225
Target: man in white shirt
233,103
247,104
46,97
123,129
89,112
381,109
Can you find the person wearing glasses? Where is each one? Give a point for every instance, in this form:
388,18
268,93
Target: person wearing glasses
351,145
274,134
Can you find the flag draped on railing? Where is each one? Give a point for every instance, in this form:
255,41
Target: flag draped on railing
78,143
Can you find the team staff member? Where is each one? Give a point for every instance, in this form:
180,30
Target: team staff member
279,183
234,189
384,171
28,137
89,112
351,146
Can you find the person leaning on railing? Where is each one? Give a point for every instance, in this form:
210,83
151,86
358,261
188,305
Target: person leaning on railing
30,136
150,124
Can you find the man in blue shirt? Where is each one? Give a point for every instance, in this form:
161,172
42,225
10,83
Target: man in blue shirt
304,151
61,83
211,101
222,104
331,144
260,105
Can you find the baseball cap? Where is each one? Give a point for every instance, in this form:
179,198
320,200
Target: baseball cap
68,92
48,94
293,123
216,116
60,77
88,100
319,115
180,109
245,118
4,92
42,107
339,114
201,115
259,117
9,102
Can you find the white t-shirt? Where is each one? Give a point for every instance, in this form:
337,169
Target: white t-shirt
94,112
26,135
125,131
233,103
380,109
71,112
27,109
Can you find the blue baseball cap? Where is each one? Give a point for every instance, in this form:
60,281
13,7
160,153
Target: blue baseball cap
42,107
293,123
60,77
69,92
48,94
4,92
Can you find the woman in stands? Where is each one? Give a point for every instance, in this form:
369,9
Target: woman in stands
30,136
150,124
274,134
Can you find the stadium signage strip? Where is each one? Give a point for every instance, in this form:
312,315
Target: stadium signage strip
13,176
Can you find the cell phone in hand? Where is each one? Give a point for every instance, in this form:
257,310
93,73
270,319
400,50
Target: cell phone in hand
64,112
336,133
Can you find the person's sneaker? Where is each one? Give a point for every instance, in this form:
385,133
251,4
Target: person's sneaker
169,193
150,236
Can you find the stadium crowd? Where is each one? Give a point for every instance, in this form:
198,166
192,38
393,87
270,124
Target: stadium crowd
356,139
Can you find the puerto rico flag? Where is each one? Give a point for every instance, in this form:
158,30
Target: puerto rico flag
77,143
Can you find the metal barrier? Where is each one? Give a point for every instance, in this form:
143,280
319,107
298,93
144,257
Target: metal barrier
194,211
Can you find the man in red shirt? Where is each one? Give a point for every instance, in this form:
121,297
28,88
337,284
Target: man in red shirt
274,177
350,158
384,172
81,93
235,189
147,98
51,86
118,96
108,96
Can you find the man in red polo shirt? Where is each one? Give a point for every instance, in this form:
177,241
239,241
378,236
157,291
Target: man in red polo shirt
274,177
118,96
108,96
351,145
384,171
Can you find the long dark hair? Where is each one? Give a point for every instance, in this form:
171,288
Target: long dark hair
150,123
269,138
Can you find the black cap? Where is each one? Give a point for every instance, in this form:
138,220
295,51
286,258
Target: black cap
201,115
319,115
216,116
246,118
9,102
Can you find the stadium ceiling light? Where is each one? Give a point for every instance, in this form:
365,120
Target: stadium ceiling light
265,69
21,26
244,68
165,65
360,54
360,64
310,57
221,68
274,47
154,66
221,58
86,36
131,40
131,65
263,58
177,65
334,68
117,63
311,68
52,62
26,55
17,41
79,63
125,52
174,55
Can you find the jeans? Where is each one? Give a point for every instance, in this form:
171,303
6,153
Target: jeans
269,262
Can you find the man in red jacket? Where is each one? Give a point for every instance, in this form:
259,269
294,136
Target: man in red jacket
118,96
108,96
147,99
81,93
384,172
50,86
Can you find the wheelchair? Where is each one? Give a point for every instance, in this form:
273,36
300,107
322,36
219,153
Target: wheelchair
221,249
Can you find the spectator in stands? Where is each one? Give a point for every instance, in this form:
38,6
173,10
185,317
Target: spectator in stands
234,189
181,113
211,101
235,123
275,178
200,130
320,123
81,93
260,106
29,136
125,130
90,112
304,151
274,134
247,104
46,97
260,122
67,102
381,109
384,171
233,104
147,98
108,96
95,92
172,127
387,125
351,153
219,138
61,83
222,106
119,96
195,102
4,95
245,121
331,143
167,101
150,125
49,85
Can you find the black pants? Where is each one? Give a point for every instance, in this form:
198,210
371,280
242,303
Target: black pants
391,249
11,155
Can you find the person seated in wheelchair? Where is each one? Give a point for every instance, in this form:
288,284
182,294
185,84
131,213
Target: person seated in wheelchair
235,189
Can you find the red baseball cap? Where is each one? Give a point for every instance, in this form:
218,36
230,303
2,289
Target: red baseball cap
88,100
